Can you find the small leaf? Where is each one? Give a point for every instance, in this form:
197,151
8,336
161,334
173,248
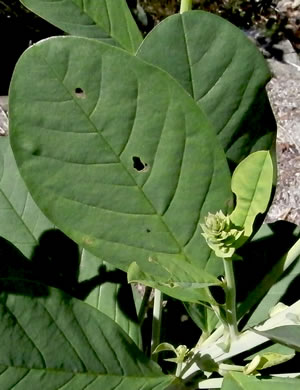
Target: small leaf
238,381
287,335
266,360
252,185
110,21
164,347
273,348
180,280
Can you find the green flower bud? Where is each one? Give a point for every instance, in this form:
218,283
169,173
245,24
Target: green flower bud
220,234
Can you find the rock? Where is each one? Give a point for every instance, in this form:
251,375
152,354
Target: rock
290,10
284,94
3,118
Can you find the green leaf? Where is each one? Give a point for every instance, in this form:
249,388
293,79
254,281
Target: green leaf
262,361
252,185
25,227
22,223
273,348
124,162
287,335
165,347
52,341
110,21
279,281
110,293
203,317
223,71
180,280
238,381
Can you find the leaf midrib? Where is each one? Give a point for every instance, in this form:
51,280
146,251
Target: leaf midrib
89,372
181,251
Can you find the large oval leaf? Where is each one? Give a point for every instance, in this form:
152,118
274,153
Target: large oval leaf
53,341
25,227
107,20
223,71
115,152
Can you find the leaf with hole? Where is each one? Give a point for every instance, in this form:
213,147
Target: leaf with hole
223,71
47,254
110,21
76,154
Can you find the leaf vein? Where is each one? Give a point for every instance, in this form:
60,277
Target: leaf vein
200,208
27,335
65,337
133,122
188,57
179,176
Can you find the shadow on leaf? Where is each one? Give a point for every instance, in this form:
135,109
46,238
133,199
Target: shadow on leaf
55,262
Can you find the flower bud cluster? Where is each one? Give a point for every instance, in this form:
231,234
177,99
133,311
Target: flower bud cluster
220,234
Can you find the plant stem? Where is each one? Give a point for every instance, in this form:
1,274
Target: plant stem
230,291
185,5
230,367
156,321
144,304
178,369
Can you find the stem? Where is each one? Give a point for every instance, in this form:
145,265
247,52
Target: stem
178,369
185,5
156,321
144,304
230,367
230,291
247,340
